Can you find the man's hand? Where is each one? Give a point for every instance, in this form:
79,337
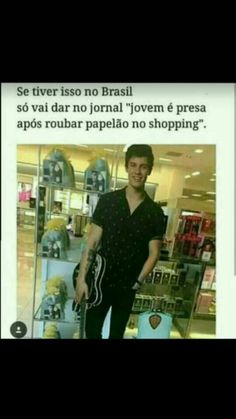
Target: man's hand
81,291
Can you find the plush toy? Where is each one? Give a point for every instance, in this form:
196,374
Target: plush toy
51,332
54,300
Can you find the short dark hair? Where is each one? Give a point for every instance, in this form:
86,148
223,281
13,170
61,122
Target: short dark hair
140,150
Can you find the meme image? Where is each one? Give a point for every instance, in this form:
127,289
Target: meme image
118,211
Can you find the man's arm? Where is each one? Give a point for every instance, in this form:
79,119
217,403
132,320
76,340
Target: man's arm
94,238
154,253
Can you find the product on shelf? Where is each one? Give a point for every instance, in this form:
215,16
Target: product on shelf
207,249
187,244
162,275
54,299
32,202
56,240
212,307
189,225
213,285
24,191
165,278
191,238
208,226
57,169
208,277
147,302
178,304
51,332
97,176
57,207
149,279
204,302
42,194
195,237
170,305
138,302
174,279
157,276
182,277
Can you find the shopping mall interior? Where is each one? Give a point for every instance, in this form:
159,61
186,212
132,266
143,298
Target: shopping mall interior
183,283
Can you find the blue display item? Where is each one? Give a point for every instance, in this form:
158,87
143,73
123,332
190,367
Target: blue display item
52,308
58,170
97,176
154,325
54,299
55,244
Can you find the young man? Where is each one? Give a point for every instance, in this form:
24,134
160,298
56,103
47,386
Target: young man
127,228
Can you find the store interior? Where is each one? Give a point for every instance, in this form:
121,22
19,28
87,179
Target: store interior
182,285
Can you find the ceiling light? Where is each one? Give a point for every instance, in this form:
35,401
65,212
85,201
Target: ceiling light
187,176
196,194
196,213
109,149
212,179
83,145
214,174
195,173
198,150
173,154
210,200
184,196
210,193
163,159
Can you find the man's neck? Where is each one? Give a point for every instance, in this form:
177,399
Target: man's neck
134,193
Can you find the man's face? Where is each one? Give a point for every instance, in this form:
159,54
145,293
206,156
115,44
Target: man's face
138,171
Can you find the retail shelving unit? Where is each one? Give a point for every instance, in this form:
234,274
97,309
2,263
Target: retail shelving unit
205,308
195,238
171,288
64,263
57,258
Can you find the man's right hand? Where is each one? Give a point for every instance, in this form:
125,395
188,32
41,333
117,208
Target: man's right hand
81,291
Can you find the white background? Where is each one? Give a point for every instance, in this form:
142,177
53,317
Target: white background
219,121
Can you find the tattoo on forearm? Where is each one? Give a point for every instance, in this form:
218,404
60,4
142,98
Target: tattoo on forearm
90,258
91,254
